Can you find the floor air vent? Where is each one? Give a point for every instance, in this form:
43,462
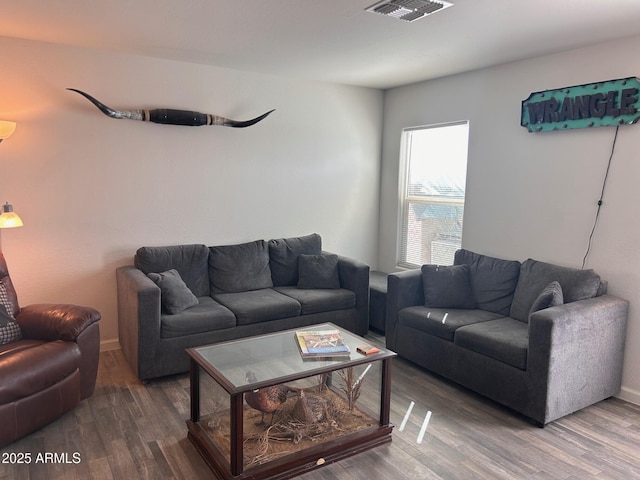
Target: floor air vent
408,10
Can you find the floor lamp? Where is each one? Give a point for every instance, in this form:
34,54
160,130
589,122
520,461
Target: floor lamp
8,218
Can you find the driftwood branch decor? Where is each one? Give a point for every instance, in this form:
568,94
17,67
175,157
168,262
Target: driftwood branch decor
169,116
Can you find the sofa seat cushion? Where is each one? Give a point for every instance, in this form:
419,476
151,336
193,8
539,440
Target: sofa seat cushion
37,366
14,347
430,320
191,262
504,339
320,300
259,305
208,315
535,276
493,280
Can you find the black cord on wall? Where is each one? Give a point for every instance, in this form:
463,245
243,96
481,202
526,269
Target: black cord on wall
604,184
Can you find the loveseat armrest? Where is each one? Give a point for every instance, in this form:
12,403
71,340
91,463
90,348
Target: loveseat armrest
138,318
354,276
576,352
404,289
48,322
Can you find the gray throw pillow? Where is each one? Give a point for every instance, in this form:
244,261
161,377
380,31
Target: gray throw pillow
550,296
175,296
447,286
283,257
9,328
318,271
576,284
239,268
191,262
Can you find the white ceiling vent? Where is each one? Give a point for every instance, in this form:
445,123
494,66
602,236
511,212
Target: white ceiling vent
408,10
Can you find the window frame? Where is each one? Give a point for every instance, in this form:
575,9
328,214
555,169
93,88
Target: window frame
404,198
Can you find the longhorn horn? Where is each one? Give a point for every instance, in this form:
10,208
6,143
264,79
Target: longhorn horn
171,117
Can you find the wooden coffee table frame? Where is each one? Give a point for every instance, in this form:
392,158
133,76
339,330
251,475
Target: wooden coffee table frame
290,465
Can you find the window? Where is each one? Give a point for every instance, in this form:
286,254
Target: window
434,159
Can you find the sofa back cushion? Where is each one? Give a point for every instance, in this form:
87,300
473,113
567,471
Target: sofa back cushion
239,268
283,257
535,276
447,287
190,261
493,280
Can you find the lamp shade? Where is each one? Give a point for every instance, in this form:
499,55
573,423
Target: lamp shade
6,129
8,218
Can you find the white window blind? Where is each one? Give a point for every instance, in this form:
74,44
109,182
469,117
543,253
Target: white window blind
434,159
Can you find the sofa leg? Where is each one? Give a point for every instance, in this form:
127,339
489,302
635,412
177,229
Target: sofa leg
536,423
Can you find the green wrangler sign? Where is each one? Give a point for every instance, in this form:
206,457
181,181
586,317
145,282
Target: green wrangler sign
610,103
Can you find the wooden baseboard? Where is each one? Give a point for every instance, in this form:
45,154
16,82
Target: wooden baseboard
107,345
629,395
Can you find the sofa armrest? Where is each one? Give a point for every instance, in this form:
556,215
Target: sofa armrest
576,351
404,289
354,276
138,318
50,322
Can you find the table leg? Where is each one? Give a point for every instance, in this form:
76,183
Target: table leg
237,434
385,394
194,374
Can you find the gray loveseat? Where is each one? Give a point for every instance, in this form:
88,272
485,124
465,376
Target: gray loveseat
183,296
542,339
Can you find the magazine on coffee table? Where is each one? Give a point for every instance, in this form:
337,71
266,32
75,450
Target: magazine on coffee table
321,343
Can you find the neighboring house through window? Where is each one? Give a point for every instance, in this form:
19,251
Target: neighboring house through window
434,163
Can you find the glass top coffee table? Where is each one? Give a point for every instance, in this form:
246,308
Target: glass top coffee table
260,410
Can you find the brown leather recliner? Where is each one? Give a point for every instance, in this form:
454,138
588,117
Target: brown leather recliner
51,369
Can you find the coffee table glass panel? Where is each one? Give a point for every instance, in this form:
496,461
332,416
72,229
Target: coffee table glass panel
305,413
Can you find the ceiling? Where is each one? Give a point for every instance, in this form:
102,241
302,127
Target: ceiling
325,40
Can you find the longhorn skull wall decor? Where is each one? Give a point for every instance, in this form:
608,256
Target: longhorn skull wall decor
171,117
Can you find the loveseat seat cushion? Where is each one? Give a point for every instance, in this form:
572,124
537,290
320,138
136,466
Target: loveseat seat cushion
283,257
535,276
493,280
208,315
430,320
504,339
25,371
239,268
320,300
257,306
189,260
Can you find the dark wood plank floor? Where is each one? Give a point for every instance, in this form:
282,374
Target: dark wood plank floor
128,430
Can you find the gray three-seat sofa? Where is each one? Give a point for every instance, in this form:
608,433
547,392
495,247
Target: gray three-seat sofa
182,296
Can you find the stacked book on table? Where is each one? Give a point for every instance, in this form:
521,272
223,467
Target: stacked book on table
321,344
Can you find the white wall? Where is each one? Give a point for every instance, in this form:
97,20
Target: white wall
534,195
92,189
